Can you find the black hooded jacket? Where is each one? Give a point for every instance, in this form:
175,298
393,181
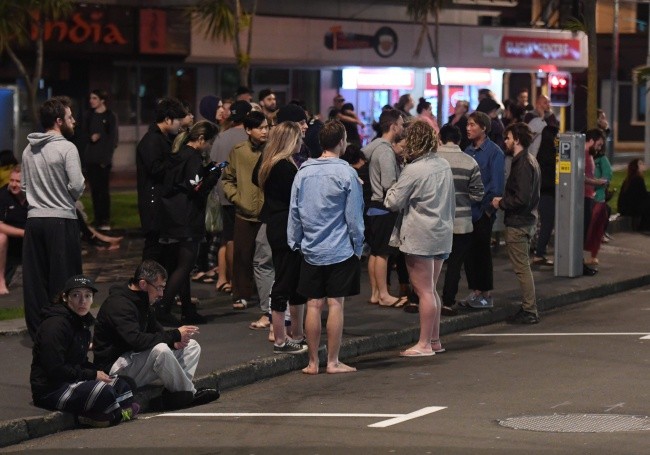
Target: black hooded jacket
60,353
125,323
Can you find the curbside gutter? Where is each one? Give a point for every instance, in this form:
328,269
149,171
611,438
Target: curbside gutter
19,430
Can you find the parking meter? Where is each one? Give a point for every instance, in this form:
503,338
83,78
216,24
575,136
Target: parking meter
569,204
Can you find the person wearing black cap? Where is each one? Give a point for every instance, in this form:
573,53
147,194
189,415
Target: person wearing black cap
243,93
61,376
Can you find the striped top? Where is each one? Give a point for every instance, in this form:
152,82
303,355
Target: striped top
467,184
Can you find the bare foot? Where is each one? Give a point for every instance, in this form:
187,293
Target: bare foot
340,367
311,369
4,290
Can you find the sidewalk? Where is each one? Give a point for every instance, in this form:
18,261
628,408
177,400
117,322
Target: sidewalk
233,355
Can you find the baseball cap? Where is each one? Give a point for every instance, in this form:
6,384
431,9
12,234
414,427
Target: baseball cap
79,281
291,113
239,110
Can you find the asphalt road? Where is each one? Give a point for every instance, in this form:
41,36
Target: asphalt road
589,359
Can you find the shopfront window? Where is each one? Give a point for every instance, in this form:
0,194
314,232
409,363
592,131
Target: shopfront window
639,100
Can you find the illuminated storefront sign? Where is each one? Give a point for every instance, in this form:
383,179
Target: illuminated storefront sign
378,79
539,48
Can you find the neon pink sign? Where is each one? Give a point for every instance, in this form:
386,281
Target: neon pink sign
540,48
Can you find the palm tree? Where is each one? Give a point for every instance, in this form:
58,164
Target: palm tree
224,20
22,22
419,11
588,26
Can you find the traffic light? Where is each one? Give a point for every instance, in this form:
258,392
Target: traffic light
559,88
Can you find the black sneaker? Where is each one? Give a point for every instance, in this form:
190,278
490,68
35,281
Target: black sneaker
204,396
588,271
523,317
448,311
290,347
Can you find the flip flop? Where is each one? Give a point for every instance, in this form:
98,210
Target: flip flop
372,303
207,279
399,302
414,352
240,305
260,324
226,288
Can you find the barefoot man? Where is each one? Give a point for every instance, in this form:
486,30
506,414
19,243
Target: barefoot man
326,225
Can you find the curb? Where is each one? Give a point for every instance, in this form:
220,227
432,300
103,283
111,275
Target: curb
19,430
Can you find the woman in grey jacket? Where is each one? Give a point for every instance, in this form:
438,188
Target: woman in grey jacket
424,193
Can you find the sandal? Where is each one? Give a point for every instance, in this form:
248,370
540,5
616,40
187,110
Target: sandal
240,304
399,302
226,288
207,279
262,323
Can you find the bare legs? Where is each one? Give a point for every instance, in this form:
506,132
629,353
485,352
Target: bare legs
224,265
279,329
424,274
378,271
4,245
334,334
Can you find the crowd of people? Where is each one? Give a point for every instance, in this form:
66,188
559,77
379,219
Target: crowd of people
276,208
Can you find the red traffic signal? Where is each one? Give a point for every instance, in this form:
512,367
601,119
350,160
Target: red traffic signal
559,88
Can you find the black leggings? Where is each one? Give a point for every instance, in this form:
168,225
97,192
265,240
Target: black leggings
179,261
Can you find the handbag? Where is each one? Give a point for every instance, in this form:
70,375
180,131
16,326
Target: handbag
213,213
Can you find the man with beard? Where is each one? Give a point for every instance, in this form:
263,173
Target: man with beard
13,216
519,201
269,105
52,182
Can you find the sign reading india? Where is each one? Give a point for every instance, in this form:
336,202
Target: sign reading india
539,48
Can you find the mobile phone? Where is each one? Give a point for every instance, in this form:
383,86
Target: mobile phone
221,165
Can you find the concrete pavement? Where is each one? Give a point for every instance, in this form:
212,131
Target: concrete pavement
233,355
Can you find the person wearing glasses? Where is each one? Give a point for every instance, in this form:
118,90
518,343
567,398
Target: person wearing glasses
128,341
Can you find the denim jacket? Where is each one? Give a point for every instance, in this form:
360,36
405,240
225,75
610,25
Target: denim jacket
326,212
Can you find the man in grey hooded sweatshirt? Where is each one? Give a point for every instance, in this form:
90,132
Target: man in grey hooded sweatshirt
52,182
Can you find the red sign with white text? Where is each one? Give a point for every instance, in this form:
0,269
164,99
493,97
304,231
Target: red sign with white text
540,48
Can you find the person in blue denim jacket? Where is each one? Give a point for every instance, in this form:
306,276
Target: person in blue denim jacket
326,226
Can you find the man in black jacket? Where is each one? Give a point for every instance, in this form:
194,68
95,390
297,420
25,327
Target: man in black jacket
520,200
129,341
152,149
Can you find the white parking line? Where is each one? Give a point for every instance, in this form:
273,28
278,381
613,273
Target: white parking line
645,335
394,419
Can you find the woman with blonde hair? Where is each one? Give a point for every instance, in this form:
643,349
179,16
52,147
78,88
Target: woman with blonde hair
424,193
275,177
188,180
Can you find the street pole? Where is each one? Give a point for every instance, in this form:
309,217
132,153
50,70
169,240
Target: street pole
613,118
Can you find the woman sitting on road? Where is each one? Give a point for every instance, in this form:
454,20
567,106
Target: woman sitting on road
62,378
424,192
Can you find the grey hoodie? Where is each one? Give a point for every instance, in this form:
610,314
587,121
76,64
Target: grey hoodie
51,176
383,167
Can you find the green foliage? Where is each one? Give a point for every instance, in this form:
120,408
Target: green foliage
574,25
18,16
642,75
124,209
12,313
216,19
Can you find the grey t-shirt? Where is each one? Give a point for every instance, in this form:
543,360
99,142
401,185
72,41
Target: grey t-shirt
221,148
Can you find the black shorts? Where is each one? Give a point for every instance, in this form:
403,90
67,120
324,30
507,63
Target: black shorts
381,228
335,280
228,232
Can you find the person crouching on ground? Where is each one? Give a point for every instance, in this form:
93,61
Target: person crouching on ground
129,341
424,192
62,378
326,225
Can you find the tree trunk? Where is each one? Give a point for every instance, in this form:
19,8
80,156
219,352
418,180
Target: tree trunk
592,68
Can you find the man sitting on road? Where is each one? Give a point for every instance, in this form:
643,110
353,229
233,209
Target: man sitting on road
129,341
13,216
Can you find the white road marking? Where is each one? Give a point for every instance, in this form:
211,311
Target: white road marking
617,405
393,419
405,417
646,335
